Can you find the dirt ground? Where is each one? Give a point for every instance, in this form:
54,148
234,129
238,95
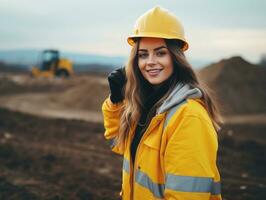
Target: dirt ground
46,156
43,158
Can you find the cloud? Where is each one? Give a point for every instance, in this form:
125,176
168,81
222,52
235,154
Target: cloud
217,43
214,28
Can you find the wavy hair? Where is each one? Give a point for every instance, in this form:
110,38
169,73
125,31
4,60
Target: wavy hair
134,97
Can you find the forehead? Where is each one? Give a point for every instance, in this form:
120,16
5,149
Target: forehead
151,43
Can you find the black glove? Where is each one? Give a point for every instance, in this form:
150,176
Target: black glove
117,81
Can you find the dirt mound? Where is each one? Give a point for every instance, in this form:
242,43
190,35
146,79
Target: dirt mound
79,97
239,85
88,94
13,84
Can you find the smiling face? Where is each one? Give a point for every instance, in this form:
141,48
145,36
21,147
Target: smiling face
154,60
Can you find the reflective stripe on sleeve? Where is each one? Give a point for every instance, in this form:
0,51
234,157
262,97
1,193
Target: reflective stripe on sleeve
126,165
111,142
216,188
192,184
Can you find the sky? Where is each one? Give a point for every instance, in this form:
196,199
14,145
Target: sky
215,29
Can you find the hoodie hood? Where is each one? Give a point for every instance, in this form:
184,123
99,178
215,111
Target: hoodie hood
180,93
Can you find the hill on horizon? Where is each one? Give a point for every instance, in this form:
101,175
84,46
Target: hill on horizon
23,60
29,57
240,86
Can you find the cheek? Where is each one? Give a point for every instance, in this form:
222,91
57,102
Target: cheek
169,66
139,62
141,65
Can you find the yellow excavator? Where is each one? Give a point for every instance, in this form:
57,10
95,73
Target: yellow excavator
51,65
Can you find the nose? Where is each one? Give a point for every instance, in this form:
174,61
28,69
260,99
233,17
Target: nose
151,60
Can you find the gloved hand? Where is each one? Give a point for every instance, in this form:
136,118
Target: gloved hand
117,81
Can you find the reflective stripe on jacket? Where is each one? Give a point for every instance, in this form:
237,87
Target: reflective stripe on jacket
175,162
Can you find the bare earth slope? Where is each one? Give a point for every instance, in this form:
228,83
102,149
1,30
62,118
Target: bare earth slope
240,86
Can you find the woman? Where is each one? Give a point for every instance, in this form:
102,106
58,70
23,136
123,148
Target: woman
160,118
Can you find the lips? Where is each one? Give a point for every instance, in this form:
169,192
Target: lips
154,72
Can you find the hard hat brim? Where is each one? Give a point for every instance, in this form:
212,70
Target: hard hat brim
131,39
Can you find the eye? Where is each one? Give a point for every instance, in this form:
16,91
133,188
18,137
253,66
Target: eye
160,53
143,55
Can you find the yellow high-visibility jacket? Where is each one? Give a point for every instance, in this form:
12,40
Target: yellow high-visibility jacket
176,157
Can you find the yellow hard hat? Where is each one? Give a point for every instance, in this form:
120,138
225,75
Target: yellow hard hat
159,23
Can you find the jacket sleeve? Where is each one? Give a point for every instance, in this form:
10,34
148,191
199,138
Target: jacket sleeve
111,117
190,161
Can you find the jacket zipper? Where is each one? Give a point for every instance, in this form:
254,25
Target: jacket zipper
134,164
131,169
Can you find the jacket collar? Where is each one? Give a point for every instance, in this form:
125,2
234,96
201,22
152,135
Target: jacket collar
180,93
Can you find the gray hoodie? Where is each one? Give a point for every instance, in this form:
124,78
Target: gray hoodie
180,93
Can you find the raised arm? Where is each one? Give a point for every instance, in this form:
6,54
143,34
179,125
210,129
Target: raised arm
112,106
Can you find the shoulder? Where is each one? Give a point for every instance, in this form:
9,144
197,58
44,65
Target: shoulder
194,107
192,119
191,108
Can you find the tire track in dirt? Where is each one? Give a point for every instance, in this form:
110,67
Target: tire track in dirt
43,105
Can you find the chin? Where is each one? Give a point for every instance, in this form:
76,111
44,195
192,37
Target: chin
155,82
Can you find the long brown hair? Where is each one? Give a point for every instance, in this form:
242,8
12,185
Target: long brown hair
183,73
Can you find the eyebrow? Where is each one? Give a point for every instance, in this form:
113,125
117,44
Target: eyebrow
156,49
